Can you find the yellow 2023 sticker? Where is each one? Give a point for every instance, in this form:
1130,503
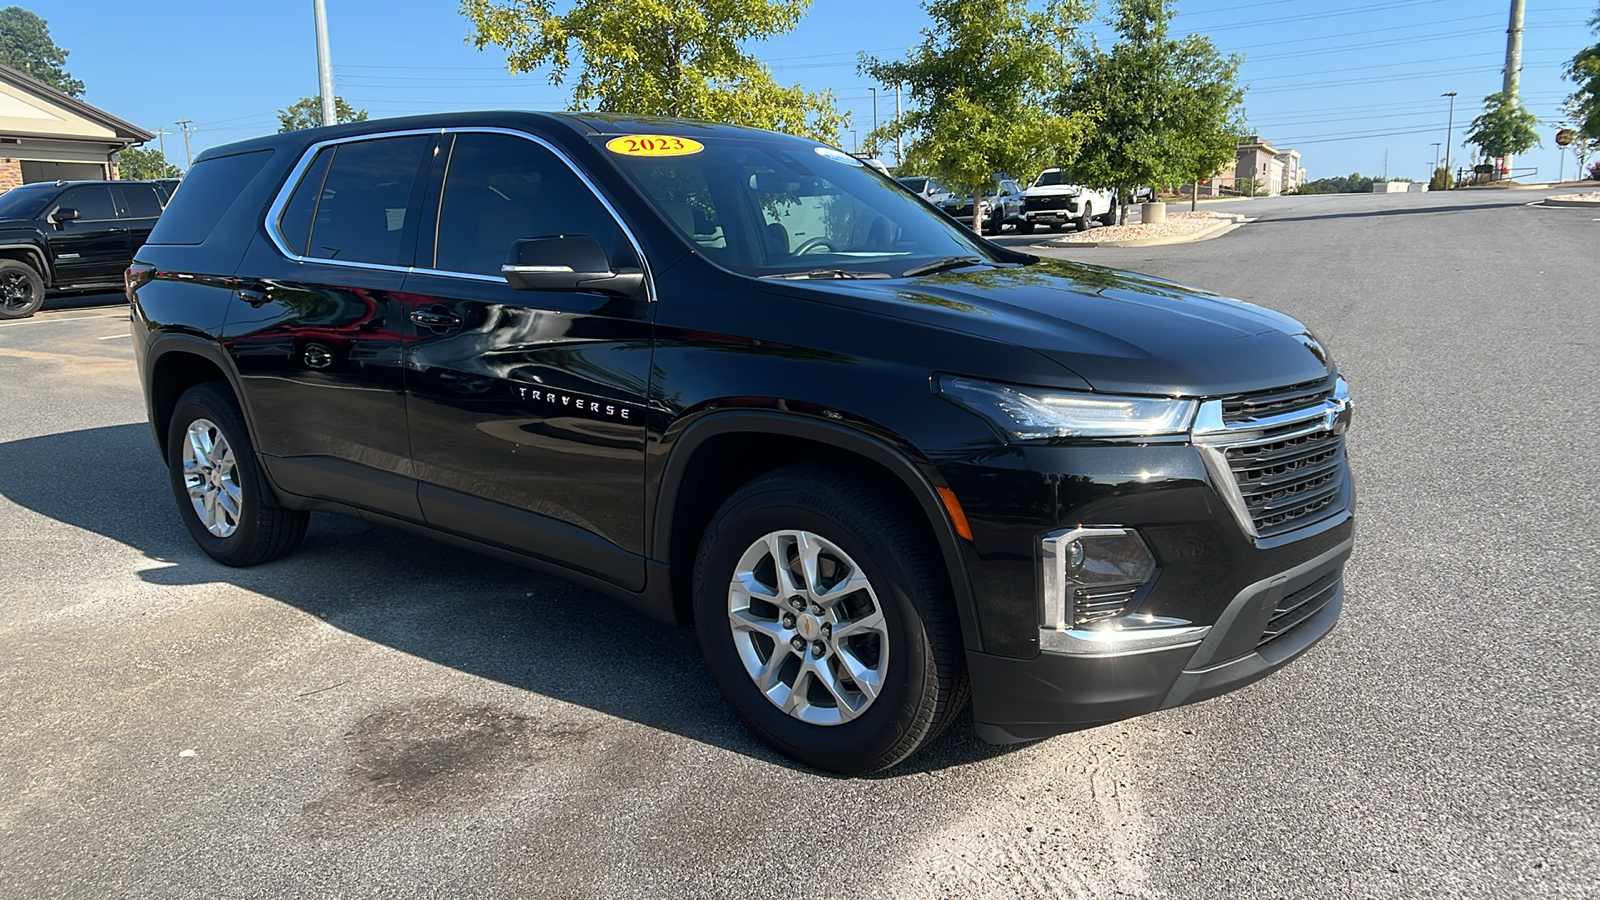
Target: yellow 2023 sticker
653,145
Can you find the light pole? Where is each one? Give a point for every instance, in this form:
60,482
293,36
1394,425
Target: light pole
324,64
872,143
1449,128
1436,146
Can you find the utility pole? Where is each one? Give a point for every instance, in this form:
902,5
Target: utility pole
855,142
1513,69
872,144
161,135
1449,128
1436,146
324,63
899,142
188,129
1386,164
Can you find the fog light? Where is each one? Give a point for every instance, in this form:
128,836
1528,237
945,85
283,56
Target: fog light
1091,574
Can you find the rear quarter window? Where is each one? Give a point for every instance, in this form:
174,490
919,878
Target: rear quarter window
208,190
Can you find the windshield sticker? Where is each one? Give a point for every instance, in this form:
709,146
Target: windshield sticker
840,155
653,145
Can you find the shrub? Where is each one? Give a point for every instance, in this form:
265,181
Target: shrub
1594,171
1441,180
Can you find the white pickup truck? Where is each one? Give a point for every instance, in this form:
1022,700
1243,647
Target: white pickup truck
1054,202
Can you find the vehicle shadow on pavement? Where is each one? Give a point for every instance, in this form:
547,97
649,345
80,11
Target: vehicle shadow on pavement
451,607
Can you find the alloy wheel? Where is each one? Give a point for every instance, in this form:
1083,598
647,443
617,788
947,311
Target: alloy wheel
211,477
16,291
808,627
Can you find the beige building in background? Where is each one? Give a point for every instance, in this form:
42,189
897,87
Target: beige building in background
1275,171
46,135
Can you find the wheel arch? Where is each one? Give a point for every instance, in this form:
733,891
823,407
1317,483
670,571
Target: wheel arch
715,455
177,363
30,254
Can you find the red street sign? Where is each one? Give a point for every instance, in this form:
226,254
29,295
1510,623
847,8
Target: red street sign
1565,136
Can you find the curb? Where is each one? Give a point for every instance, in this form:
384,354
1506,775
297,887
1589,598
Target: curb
1210,231
1579,204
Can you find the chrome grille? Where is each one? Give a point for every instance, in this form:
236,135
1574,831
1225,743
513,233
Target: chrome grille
1286,483
1299,606
1277,457
1258,404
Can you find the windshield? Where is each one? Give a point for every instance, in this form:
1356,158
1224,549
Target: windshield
1050,178
915,184
766,206
24,202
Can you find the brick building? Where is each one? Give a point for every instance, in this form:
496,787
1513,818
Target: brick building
47,136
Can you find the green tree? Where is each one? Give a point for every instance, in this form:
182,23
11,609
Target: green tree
1583,70
1172,109
1441,180
307,113
25,45
1504,128
145,164
980,86
685,58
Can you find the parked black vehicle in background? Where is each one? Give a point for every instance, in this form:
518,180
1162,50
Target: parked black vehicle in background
740,381
70,235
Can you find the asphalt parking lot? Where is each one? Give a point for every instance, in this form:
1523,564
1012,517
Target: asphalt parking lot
381,716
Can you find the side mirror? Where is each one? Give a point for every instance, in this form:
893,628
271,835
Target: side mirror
65,214
567,262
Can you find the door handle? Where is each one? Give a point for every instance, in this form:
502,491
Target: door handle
436,318
256,299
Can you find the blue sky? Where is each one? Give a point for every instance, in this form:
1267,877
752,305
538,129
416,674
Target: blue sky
1343,81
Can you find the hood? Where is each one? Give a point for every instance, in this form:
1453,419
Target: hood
1120,332
1051,190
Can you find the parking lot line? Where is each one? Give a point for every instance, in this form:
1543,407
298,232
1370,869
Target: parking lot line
46,321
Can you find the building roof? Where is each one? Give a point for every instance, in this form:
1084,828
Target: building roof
126,131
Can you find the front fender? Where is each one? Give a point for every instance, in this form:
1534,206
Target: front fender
919,477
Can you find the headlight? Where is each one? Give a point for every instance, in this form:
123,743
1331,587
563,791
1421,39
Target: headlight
1033,414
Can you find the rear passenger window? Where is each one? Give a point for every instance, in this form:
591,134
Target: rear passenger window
500,188
137,201
92,203
361,213
208,190
294,226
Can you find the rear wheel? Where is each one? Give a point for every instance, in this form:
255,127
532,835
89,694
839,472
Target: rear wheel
21,290
221,493
827,620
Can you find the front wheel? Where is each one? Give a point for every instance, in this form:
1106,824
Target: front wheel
1085,217
21,290
222,495
827,621
1025,227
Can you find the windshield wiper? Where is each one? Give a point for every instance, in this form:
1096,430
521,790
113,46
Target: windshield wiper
824,273
939,265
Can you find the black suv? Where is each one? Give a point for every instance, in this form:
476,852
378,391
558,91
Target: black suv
71,235
741,380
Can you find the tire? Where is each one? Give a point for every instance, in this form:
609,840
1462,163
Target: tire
21,290
913,651
258,530
1110,216
996,223
1084,217
1024,227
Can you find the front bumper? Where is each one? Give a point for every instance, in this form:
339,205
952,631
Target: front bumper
1079,684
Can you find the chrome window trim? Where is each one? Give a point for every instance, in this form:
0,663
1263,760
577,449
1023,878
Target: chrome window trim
275,210
1213,437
